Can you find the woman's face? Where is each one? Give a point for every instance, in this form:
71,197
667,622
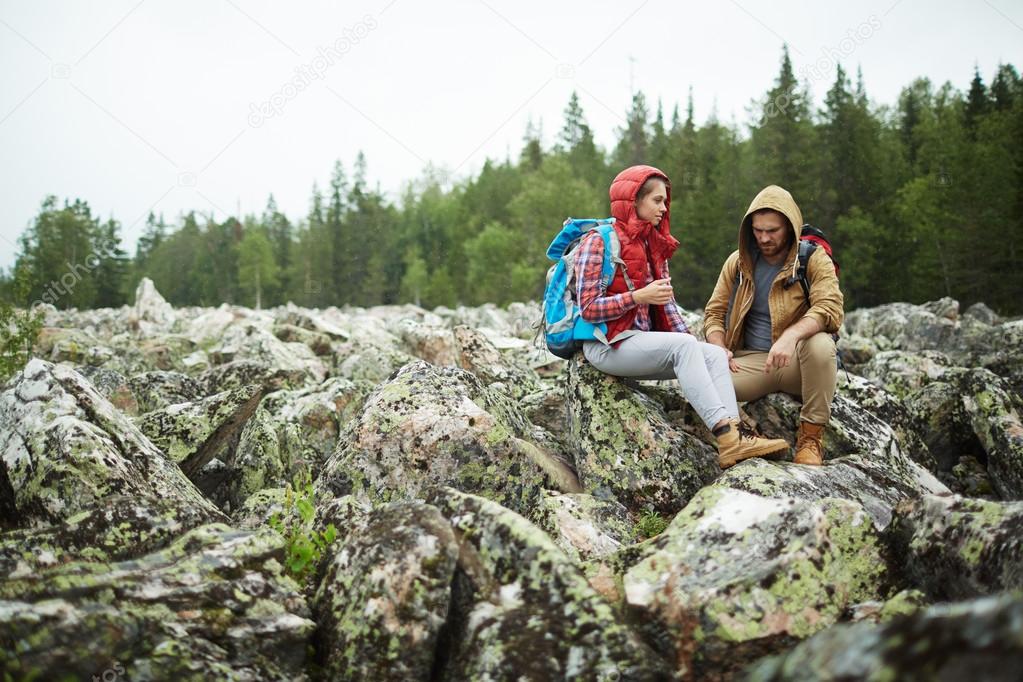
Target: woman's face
654,205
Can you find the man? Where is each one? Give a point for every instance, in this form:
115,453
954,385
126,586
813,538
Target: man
776,340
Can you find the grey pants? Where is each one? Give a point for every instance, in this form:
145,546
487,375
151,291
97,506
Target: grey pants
701,368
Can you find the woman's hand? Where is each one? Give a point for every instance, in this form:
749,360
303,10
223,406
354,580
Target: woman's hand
657,292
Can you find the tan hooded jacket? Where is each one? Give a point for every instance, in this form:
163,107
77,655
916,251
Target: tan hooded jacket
727,309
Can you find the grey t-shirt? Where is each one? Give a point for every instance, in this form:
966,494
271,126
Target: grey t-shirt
758,320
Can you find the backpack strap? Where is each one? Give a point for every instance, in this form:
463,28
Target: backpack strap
806,249
612,258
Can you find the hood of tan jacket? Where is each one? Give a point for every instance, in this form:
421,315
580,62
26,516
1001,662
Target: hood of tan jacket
778,199
732,297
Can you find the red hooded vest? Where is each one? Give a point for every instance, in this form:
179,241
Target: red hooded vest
641,243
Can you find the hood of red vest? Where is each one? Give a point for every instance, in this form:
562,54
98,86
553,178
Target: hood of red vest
623,193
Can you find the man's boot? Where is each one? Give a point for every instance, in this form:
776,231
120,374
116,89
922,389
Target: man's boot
739,442
809,449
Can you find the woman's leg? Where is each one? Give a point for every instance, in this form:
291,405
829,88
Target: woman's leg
717,366
663,355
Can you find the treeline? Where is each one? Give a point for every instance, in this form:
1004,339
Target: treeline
922,198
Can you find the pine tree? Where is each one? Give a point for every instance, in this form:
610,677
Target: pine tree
976,103
257,269
782,141
634,139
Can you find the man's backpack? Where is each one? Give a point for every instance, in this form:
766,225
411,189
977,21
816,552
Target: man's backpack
563,326
811,238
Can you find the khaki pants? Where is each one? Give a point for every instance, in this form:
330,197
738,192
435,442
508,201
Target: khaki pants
811,376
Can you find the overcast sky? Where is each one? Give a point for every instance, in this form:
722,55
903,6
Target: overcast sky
213,104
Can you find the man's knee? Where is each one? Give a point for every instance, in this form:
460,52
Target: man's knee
818,350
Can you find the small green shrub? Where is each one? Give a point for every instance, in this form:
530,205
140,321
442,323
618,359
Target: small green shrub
304,545
19,329
650,524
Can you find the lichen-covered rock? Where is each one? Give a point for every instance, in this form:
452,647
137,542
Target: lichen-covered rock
974,412
848,477
65,448
361,361
250,341
434,344
628,450
955,547
259,507
737,576
583,526
546,407
433,425
313,321
900,372
522,610
192,434
113,386
318,343
318,412
876,611
995,418
893,412
239,373
73,346
150,307
214,604
856,350
476,353
904,326
119,527
158,389
973,640
384,596
851,430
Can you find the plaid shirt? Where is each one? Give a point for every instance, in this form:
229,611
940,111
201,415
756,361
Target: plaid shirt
596,307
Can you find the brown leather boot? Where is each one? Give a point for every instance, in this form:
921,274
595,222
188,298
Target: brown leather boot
809,449
739,443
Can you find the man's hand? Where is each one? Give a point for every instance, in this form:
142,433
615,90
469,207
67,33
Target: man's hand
781,352
718,339
657,292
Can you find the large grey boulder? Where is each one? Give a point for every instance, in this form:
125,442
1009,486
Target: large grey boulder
522,610
151,311
476,353
65,448
956,548
213,604
627,449
433,425
974,412
849,477
585,527
974,640
851,430
191,434
737,576
385,595
290,435
900,372
904,326
118,528
158,389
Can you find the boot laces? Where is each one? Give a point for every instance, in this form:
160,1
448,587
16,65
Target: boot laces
746,433
807,441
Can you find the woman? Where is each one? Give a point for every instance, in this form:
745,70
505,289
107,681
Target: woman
647,337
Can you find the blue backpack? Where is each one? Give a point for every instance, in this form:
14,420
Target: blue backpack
563,326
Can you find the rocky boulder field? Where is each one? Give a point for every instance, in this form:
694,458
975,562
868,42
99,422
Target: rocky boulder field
401,494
